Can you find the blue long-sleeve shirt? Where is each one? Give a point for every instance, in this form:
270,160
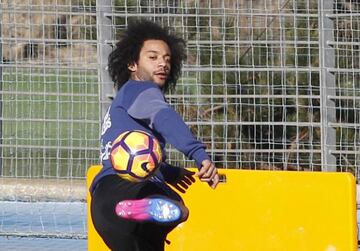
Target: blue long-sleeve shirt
141,105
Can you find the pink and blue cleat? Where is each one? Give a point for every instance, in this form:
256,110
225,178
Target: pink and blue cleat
158,210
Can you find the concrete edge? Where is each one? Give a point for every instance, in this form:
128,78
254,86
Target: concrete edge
31,190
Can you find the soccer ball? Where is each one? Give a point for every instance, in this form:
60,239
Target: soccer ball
135,155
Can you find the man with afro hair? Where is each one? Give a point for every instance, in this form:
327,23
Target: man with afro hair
137,216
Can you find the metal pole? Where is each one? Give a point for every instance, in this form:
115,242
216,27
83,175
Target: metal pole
104,34
327,85
1,87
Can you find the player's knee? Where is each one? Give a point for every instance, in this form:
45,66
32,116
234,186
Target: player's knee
185,213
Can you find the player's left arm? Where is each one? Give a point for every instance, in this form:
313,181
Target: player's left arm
151,107
176,132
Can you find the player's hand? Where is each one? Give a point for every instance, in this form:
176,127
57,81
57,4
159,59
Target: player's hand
183,181
208,173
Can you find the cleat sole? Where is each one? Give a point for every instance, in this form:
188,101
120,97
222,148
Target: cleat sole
149,209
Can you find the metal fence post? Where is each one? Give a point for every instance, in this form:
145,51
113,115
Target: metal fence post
327,85
1,88
104,25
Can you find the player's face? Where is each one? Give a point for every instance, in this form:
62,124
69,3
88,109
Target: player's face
154,63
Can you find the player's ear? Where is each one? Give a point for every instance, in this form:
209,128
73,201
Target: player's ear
132,67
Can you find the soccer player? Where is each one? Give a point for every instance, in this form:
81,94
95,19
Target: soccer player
131,216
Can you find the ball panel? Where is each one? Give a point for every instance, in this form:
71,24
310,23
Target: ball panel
129,177
119,158
143,165
157,151
137,141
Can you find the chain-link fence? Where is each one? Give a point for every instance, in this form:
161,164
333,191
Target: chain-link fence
267,85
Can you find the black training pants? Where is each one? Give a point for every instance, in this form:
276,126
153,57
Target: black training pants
122,234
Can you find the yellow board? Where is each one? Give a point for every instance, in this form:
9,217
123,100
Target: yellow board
95,242
265,210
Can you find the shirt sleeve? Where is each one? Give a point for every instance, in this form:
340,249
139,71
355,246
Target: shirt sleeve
151,107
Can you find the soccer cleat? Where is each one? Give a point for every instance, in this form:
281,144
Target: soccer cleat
158,210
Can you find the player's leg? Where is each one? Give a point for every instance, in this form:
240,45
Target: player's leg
119,242
156,202
109,192
117,233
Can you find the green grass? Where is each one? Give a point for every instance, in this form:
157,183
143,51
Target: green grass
50,125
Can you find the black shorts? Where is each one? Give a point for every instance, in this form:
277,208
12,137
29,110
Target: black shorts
121,234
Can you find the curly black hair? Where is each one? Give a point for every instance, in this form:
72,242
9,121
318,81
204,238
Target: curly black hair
128,48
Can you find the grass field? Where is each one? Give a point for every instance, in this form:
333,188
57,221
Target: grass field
50,122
